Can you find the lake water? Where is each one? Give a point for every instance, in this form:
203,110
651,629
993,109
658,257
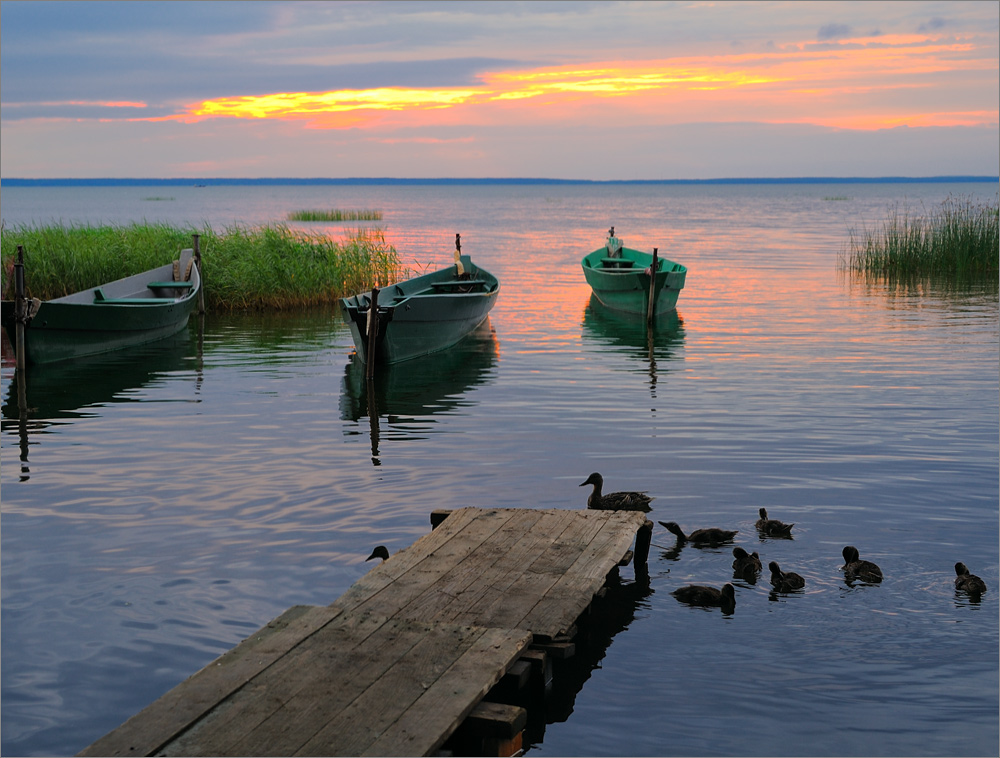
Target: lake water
160,505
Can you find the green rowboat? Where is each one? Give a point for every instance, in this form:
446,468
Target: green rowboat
620,279
132,311
422,315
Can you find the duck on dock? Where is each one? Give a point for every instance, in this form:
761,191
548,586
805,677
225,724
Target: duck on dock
381,551
746,565
701,537
966,582
770,527
855,568
785,581
615,501
700,595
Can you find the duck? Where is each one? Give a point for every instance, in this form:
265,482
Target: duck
380,551
709,536
744,562
772,527
785,581
855,568
698,594
966,582
615,501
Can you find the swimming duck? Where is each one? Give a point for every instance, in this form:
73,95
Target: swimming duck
615,501
379,552
697,594
785,581
855,568
770,527
709,536
966,582
744,562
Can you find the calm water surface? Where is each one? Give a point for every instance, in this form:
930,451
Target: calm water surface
160,505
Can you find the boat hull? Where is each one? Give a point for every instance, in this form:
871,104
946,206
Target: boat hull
422,315
622,284
87,323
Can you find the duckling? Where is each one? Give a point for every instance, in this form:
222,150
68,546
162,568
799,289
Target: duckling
746,563
379,552
785,581
966,582
615,501
855,568
697,594
770,527
700,537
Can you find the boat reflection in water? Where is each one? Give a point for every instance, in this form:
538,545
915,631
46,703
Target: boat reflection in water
54,394
408,395
652,347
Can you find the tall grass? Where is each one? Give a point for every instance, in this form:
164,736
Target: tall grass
269,267
960,239
335,215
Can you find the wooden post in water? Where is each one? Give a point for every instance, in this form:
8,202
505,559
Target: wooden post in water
197,262
372,336
20,312
459,268
652,288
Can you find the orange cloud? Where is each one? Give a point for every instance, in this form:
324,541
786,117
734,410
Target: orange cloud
831,84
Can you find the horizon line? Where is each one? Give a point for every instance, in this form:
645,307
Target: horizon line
316,181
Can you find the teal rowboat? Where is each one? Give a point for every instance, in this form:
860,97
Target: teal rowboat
422,315
620,279
132,311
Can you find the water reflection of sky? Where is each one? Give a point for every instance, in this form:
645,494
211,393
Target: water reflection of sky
172,508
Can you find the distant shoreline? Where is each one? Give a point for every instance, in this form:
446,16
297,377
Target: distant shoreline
361,181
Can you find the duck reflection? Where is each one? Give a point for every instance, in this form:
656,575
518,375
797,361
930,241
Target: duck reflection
408,395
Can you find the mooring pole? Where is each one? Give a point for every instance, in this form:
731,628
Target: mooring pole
20,311
372,340
459,268
201,277
652,288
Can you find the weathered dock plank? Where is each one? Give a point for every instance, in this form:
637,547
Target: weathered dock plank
149,730
400,660
514,568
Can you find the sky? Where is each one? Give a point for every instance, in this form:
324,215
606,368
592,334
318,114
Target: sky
564,90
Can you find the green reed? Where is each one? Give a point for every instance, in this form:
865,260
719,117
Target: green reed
335,215
959,239
270,267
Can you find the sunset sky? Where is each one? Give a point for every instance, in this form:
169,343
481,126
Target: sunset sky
569,90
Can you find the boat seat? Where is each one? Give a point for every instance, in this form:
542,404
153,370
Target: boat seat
170,285
100,299
616,263
459,283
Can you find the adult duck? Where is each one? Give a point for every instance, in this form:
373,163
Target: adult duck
707,597
770,527
745,563
855,568
785,581
614,501
699,537
966,582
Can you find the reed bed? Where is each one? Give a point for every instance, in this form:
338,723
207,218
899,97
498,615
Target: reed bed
959,239
264,268
335,215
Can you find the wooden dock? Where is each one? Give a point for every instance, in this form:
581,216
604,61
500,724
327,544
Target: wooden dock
409,655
